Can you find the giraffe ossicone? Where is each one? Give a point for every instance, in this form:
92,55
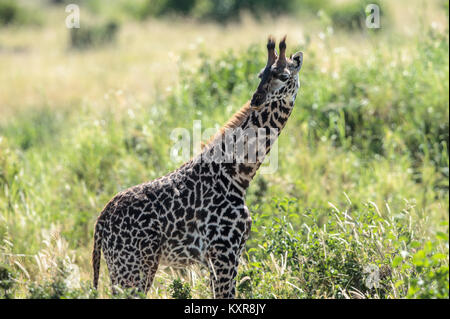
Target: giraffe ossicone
197,213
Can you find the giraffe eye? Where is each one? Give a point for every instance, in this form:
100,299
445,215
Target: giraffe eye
282,77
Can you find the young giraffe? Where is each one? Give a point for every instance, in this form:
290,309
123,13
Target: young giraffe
198,213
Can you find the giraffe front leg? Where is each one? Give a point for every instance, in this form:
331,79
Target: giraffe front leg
222,278
225,252
223,270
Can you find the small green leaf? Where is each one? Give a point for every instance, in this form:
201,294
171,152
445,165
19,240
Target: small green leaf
419,258
441,236
397,261
439,256
415,244
399,283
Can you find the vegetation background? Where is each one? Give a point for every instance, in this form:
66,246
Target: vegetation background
358,207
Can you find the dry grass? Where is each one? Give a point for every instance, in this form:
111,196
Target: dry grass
39,70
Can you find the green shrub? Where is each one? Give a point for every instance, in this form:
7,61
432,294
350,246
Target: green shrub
34,129
7,281
222,10
89,36
353,254
180,290
348,15
129,293
12,13
430,265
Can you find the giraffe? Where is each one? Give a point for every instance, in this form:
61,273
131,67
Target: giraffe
197,213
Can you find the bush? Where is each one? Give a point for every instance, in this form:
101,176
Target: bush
358,254
11,13
430,267
179,290
9,167
222,10
7,281
89,36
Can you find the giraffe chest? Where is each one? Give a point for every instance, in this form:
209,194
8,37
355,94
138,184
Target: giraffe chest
189,231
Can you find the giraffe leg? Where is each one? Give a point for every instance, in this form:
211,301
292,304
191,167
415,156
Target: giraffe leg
222,279
134,267
223,265
224,258
223,270
138,276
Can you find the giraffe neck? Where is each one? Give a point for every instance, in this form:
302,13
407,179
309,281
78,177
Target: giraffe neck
243,144
267,124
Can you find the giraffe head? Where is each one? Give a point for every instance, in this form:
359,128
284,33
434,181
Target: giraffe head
280,75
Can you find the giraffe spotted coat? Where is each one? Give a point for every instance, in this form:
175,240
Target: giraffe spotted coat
197,213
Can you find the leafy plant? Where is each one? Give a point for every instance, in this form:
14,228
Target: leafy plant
180,290
12,13
57,287
430,279
7,281
222,11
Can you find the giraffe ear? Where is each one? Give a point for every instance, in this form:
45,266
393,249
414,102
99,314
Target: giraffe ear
297,58
260,74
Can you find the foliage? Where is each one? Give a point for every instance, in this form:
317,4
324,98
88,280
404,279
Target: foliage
349,15
7,281
57,287
180,290
359,254
93,35
222,10
12,13
430,267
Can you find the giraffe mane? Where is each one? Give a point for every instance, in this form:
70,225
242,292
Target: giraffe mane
234,122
